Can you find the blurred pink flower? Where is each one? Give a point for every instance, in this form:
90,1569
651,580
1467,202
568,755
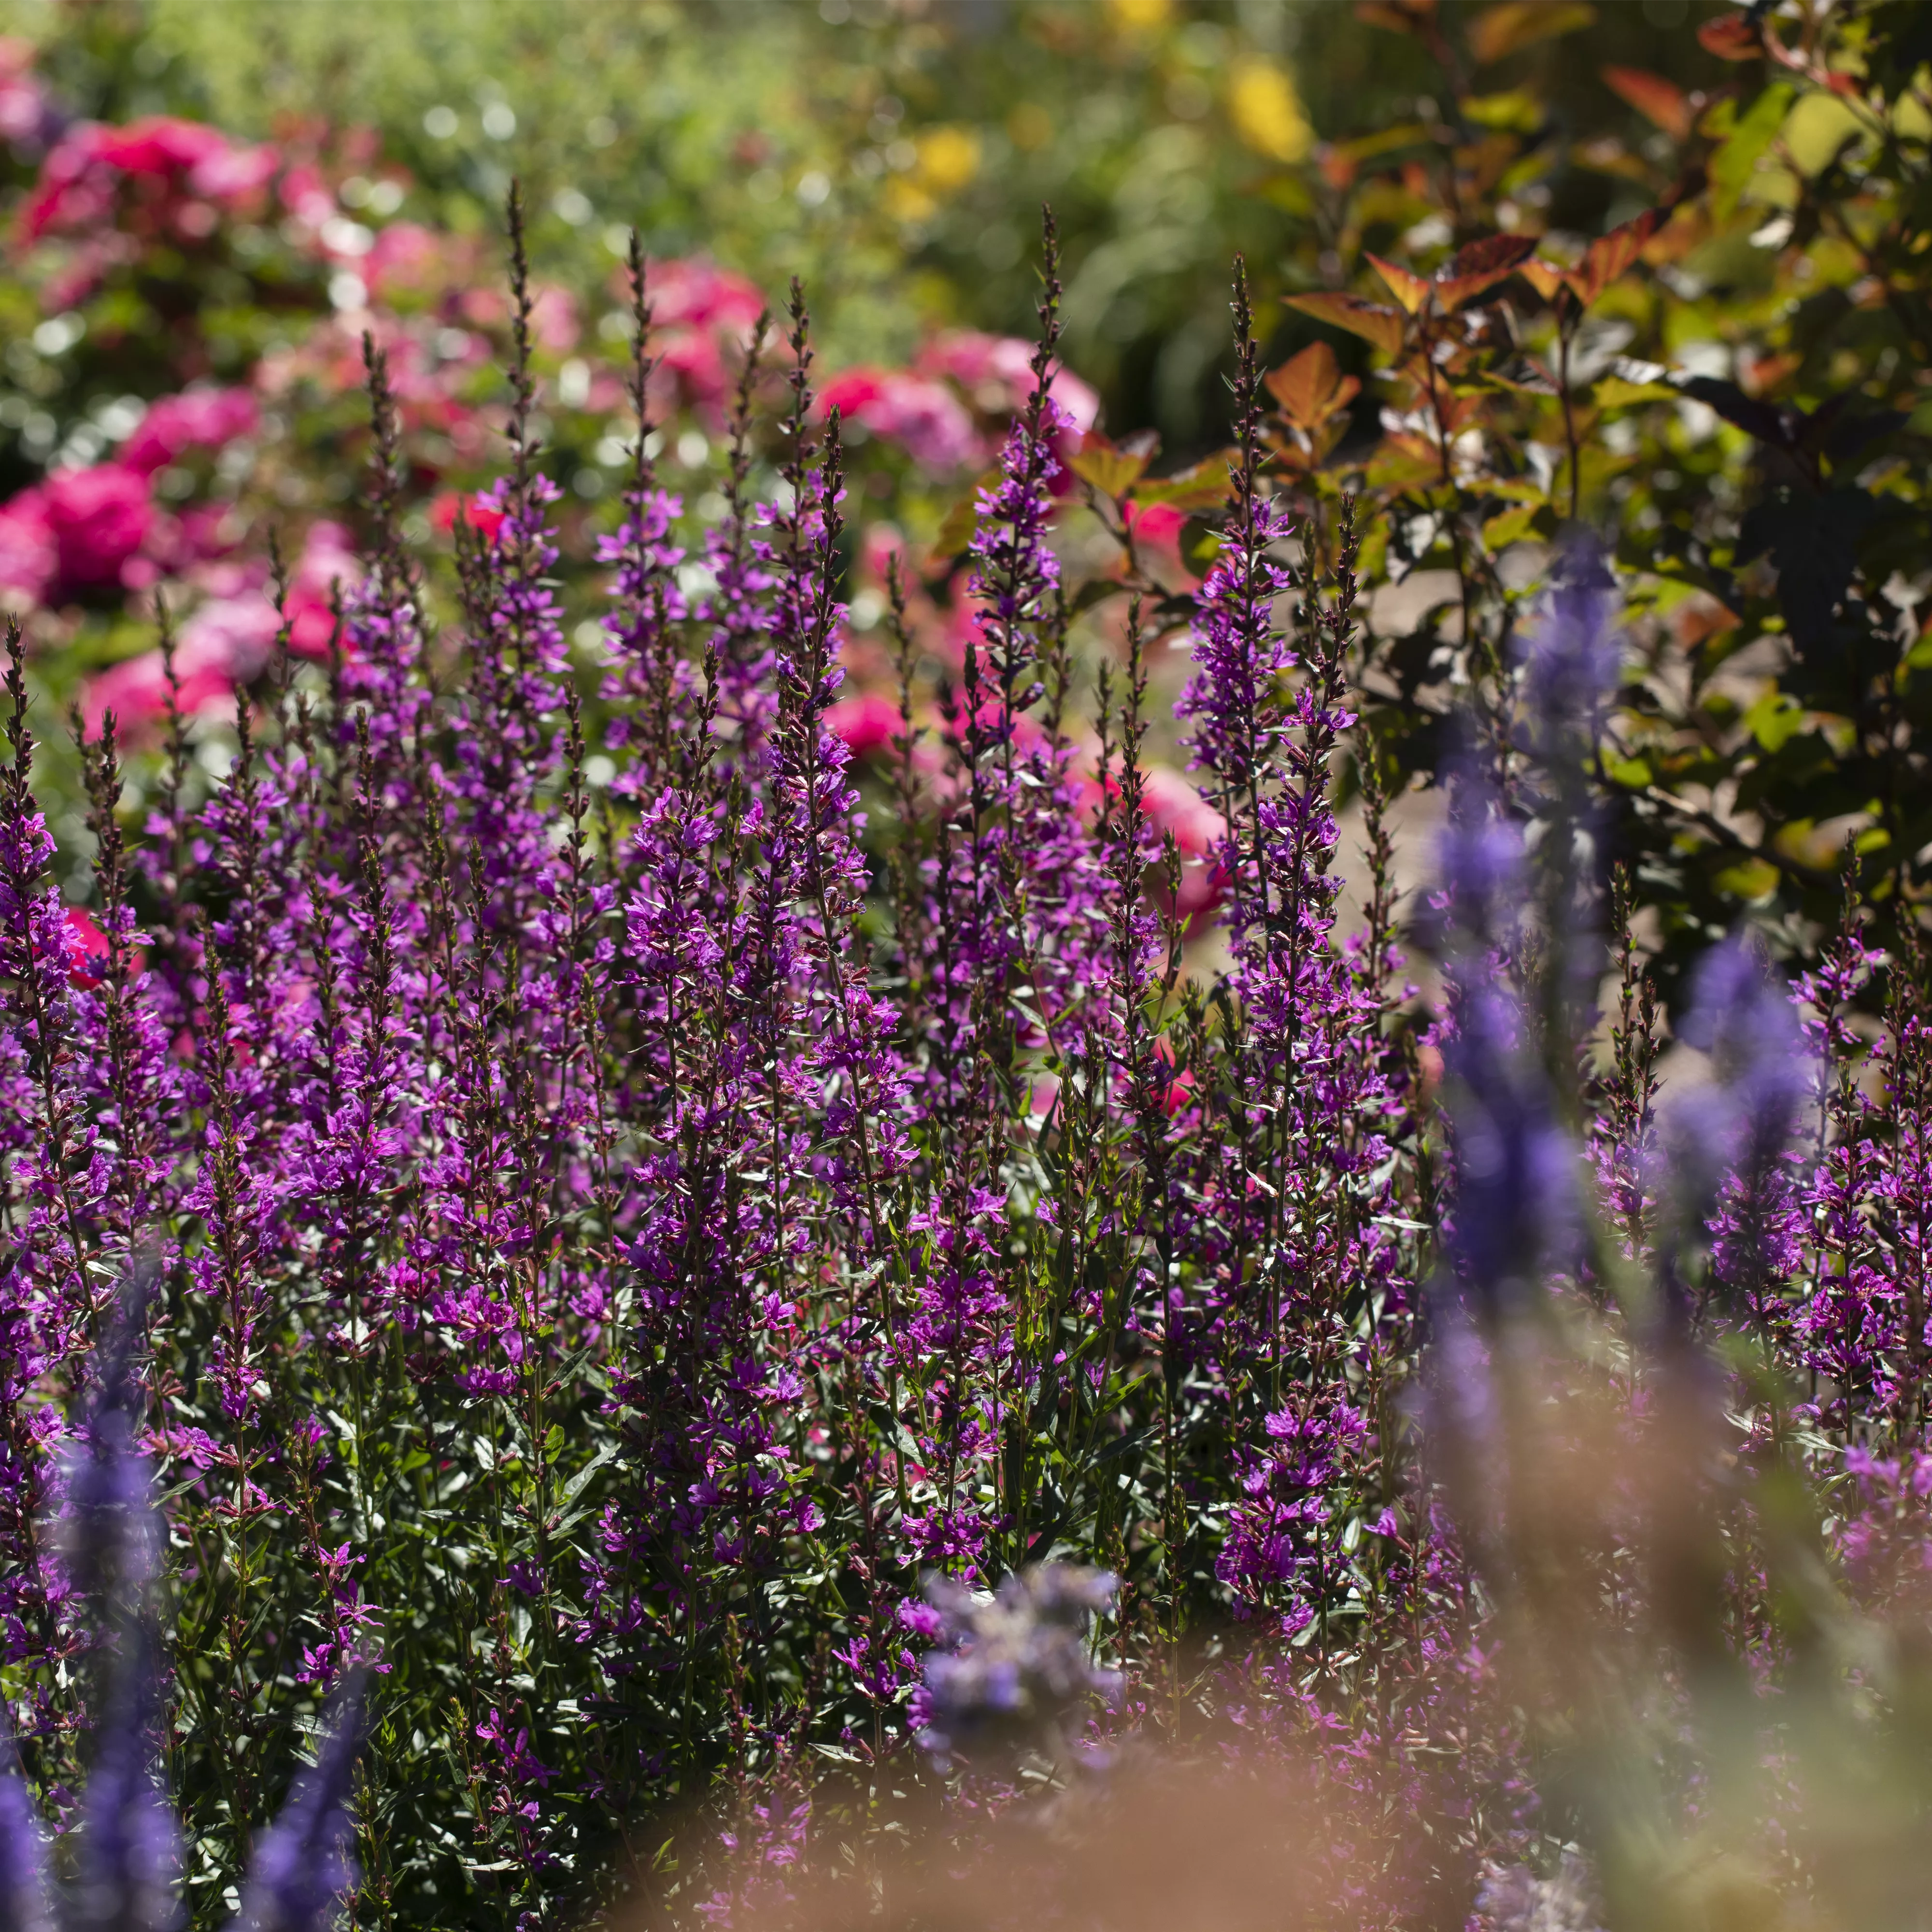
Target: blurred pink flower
75,192
700,294
554,319
87,943
306,195
27,116
1173,806
27,559
996,373
702,316
867,723
204,418
229,639
99,518
924,417
406,259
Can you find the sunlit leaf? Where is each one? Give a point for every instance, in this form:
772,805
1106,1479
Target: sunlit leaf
1310,387
1409,288
1660,101
1373,323
1111,470
1501,30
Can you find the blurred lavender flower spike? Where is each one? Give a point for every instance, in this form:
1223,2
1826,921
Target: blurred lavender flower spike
1516,1900
1574,657
24,1904
1017,1662
1762,1074
1516,1170
305,1863
1480,888
111,1529
129,1863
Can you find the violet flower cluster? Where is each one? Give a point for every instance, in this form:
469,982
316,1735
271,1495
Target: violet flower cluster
626,1209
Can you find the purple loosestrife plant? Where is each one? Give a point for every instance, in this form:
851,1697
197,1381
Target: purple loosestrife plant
625,1211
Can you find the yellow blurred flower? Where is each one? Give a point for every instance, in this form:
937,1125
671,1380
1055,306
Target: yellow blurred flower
949,158
1029,126
1266,110
905,203
1140,17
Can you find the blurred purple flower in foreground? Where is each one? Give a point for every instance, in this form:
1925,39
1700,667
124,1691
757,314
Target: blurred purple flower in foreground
1020,1659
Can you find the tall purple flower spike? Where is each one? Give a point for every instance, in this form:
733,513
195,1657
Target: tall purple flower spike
111,1530
24,1902
305,1862
129,1858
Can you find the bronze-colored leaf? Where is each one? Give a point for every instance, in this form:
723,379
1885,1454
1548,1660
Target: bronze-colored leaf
1731,37
1611,256
1661,102
1399,16
1310,387
1111,470
1383,327
962,521
1545,277
1409,288
1501,30
1480,265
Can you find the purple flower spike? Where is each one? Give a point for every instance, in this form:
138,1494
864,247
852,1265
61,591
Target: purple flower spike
306,1862
1022,1655
113,1530
129,1858
1731,1141
25,1906
1516,1170
1574,657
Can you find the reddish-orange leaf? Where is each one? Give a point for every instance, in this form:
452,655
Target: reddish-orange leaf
1501,30
1310,387
1660,101
1731,37
1610,256
1490,254
1369,320
1411,290
1480,265
1545,277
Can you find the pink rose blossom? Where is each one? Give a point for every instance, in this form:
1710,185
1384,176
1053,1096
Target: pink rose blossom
200,419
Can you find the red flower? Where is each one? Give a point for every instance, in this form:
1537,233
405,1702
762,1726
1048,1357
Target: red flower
924,418
867,723
485,517
87,942
99,517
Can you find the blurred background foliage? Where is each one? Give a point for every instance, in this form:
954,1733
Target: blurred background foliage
894,156
1520,267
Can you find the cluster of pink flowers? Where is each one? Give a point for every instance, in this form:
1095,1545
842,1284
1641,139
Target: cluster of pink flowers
85,530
